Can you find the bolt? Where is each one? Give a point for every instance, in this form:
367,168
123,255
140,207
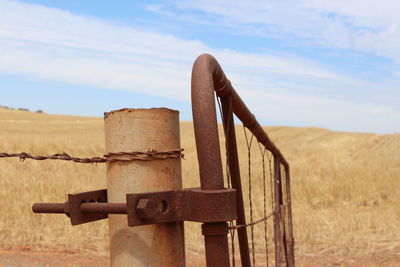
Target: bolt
147,208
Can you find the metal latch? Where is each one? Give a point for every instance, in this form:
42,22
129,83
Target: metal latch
193,204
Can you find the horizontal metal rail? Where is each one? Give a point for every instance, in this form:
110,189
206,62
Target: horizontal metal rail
106,208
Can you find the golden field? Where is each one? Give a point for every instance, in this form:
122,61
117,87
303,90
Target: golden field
345,186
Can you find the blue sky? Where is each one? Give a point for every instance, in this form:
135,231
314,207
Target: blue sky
331,64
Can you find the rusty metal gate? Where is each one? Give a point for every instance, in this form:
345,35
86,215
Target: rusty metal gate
207,77
219,206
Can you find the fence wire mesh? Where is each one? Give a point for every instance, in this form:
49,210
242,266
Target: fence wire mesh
268,226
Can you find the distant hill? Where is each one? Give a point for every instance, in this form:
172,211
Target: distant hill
21,109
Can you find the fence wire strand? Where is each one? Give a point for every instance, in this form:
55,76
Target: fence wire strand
109,157
251,224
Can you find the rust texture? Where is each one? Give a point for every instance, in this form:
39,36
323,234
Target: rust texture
277,217
74,207
207,77
289,214
194,205
148,208
143,130
233,163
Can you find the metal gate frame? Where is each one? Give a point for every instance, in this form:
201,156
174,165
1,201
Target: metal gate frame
207,77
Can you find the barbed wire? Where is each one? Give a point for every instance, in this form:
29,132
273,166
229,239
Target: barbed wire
109,157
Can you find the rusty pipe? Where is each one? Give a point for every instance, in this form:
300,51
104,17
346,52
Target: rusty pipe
104,208
50,207
205,72
234,170
207,75
289,218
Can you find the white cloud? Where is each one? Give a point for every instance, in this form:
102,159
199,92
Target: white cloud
52,44
362,25
57,45
345,115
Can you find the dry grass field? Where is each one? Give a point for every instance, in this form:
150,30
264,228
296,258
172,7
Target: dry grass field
345,186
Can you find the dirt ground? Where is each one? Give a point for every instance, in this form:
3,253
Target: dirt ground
25,258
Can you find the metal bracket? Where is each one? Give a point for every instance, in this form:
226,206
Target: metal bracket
73,207
194,205
148,208
75,201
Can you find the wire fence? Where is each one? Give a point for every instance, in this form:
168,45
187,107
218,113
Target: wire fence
263,207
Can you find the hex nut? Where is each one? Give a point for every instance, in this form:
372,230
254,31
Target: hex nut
147,208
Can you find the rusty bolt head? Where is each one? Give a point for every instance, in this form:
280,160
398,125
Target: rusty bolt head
147,208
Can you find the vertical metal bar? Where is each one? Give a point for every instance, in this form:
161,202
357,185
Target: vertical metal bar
277,217
234,171
216,244
209,156
282,209
289,213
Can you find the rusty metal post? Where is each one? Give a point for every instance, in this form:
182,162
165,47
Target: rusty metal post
277,217
207,76
234,170
289,214
282,214
209,157
129,130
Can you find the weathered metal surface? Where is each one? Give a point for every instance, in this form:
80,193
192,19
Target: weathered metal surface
289,218
50,208
76,215
234,170
194,205
207,77
205,123
217,249
149,208
80,208
154,129
277,211
105,208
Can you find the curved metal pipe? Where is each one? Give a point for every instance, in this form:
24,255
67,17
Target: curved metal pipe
208,76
